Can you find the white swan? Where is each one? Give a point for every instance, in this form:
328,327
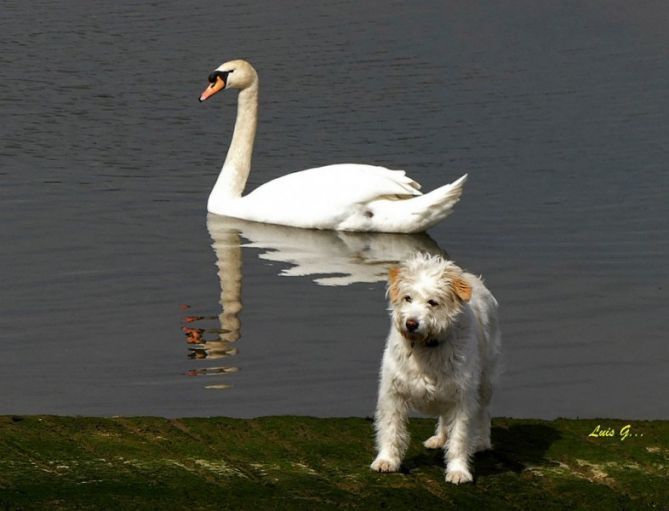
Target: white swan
344,197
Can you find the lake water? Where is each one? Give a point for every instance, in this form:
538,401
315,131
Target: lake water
112,274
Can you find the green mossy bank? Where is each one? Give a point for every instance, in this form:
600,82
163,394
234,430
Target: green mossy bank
53,463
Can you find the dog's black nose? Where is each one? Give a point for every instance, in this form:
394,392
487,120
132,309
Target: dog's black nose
411,325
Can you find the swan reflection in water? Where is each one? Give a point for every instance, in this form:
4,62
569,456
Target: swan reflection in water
328,258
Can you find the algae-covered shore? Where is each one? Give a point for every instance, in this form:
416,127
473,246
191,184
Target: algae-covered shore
58,463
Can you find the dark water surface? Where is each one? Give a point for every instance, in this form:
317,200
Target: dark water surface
558,111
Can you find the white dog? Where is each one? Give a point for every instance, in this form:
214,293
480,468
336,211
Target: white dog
440,359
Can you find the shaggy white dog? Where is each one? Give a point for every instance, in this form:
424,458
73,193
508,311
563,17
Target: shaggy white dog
440,359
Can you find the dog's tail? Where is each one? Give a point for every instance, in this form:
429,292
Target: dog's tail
424,211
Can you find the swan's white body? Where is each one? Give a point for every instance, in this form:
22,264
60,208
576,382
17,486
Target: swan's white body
344,197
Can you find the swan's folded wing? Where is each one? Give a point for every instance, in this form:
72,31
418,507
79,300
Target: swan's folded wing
398,178
323,197
340,184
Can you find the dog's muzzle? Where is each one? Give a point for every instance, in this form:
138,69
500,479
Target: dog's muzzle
410,332
412,325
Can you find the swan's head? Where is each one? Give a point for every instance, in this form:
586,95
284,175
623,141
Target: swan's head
235,74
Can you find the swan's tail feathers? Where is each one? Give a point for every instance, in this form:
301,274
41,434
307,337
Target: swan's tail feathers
445,197
439,203
417,214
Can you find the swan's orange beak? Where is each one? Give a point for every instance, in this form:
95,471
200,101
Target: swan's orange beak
216,86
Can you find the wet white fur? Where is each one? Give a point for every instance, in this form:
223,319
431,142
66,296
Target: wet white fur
452,380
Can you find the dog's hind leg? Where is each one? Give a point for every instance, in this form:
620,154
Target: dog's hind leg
438,440
483,442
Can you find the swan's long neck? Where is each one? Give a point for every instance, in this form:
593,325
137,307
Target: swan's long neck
232,179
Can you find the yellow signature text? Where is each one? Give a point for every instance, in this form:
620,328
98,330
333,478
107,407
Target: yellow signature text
608,432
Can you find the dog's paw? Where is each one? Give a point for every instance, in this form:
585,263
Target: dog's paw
435,442
385,465
459,476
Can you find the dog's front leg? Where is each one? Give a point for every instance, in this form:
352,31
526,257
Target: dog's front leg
392,436
460,446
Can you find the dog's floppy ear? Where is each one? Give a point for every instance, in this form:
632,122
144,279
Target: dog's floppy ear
393,276
462,289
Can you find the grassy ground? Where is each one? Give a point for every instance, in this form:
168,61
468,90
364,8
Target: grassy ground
53,463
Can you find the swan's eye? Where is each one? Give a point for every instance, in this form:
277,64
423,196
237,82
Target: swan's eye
407,299
432,303
216,74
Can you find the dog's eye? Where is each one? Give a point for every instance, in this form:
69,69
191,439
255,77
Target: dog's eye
432,303
407,299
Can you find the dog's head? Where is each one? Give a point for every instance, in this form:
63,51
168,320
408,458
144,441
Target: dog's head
426,295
